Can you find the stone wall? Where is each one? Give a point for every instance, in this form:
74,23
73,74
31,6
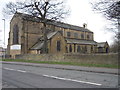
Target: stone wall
93,58
77,58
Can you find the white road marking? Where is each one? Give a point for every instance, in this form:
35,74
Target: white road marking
72,80
9,69
15,70
21,71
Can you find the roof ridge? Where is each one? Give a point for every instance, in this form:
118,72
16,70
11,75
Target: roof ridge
56,23
101,42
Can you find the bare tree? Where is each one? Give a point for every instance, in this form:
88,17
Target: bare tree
111,10
43,9
114,47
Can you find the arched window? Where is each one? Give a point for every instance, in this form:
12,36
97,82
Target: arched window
70,48
75,35
66,49
78,49
92,48
15,34
68,34
88,37
82,36
58,45
85,49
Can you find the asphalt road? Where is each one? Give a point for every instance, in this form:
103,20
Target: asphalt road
20,76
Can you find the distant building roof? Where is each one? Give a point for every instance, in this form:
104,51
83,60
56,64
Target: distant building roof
101,44
76,41
51,22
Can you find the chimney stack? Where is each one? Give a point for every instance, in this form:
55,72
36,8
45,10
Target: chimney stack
85,25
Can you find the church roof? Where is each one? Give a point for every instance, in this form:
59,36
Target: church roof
101,44
52,22
77,41
50,35
40,43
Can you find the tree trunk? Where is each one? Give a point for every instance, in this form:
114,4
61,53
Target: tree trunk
45,48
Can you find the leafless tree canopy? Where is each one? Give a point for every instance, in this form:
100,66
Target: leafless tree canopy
43,9
53,9
110,8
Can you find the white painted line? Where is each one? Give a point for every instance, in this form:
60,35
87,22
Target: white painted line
9,69
15,70
21,71
72,80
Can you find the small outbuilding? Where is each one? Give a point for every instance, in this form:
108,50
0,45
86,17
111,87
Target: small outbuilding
103,47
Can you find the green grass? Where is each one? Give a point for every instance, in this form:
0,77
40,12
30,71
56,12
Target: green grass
63,63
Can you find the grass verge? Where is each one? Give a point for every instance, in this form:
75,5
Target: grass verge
63,63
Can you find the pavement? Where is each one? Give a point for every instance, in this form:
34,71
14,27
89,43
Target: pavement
24,76
16,79
68,67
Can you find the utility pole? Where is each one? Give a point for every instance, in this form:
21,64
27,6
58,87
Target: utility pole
4,39
118,35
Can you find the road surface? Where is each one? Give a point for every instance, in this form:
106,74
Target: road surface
20,76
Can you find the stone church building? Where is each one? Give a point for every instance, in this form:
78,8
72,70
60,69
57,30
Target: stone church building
26,32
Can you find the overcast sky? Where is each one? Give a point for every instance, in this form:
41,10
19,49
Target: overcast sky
81,12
